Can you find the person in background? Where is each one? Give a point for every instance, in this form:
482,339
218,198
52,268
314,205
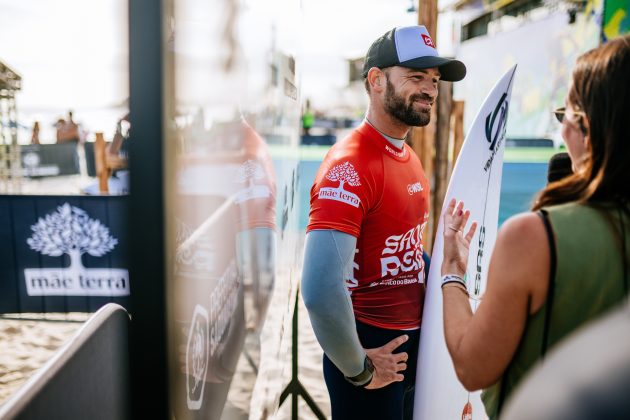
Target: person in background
68,130
114,148
308,118
35,133
363,273
563,264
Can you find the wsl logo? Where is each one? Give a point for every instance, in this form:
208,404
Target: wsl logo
343,173
70,231
414,188
496,123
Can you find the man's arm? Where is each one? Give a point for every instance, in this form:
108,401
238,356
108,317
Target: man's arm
328,258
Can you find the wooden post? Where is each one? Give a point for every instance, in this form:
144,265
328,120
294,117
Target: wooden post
457,118
422,139
102,171
442,136
427,16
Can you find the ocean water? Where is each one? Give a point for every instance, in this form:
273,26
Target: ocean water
520,182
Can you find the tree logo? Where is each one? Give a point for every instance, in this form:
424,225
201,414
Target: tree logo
70,231
344,173
249,172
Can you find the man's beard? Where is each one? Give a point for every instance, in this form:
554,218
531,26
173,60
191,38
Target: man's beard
396,107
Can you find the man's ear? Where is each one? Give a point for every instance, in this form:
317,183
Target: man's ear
376,78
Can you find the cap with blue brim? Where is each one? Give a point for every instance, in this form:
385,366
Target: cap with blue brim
412,47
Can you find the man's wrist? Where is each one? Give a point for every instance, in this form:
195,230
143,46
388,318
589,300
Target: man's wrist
364,378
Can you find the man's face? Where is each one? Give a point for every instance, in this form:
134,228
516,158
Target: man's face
410,93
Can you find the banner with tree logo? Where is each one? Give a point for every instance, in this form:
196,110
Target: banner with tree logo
63,253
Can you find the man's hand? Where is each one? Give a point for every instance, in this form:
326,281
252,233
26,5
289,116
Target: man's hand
387,364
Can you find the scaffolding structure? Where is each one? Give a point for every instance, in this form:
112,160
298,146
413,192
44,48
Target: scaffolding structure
10,165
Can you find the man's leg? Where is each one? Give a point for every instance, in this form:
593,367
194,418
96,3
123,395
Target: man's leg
410,376
350,402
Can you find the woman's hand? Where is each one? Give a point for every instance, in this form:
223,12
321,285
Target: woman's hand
456,245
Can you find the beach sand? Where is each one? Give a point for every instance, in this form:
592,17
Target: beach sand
309,371
28,343
242,404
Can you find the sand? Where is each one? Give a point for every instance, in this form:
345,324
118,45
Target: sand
242,405
28,343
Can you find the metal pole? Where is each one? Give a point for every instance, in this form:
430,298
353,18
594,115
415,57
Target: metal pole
148,356
295,387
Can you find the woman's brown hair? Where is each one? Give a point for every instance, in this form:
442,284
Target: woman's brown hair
600,89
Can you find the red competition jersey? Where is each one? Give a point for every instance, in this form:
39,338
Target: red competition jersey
370,189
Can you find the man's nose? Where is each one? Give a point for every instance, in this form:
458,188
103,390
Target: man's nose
430,89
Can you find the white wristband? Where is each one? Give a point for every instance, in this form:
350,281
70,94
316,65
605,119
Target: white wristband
453,278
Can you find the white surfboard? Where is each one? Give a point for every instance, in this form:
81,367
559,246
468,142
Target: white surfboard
476,180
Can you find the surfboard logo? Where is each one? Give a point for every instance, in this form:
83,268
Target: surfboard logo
344,173
479,265
496,123
495,128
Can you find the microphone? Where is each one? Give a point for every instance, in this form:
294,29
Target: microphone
559,167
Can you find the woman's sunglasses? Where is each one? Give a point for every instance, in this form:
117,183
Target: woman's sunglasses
561,112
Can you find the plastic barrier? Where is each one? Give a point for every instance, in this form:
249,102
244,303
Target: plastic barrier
88,378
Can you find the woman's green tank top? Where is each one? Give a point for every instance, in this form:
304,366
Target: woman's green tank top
588,281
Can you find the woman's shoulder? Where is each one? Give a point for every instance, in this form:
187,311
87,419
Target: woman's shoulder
523,226
521,239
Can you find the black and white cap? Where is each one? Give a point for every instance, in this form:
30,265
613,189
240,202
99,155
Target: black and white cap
412,47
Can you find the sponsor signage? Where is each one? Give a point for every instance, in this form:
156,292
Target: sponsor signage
41,160
345,174
63,253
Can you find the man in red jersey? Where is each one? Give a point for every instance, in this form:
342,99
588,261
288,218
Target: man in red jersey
363,277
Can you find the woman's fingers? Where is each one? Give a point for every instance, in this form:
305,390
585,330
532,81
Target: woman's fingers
465,219
471,232
451,206
455,218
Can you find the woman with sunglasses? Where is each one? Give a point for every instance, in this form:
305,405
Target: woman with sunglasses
564,263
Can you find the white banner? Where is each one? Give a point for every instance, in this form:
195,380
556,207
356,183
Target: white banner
476,180
76,282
